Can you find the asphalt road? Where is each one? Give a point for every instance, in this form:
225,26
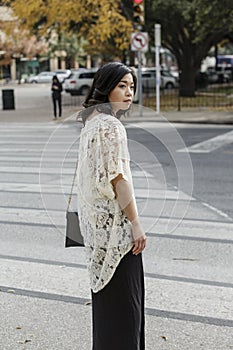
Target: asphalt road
184,198
211,167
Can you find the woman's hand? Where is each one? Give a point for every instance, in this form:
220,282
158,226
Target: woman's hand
139,237
139,245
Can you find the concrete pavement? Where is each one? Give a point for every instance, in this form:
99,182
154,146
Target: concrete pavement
43,287
44,114
39,109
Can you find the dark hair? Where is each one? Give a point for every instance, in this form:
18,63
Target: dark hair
105,80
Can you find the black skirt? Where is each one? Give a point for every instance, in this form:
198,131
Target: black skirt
118,309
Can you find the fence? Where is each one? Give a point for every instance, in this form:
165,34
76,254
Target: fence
219,96
215,96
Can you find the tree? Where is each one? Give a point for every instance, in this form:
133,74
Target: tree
189,29
16,43
98,22
20,44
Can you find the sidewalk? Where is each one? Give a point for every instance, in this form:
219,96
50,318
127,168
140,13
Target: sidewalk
33,104
45,115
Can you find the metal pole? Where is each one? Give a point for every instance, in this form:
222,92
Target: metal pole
157,80
157,64
140,82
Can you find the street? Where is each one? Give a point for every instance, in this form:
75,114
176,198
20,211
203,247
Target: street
182,175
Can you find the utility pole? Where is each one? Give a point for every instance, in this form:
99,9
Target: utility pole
157,64
139,43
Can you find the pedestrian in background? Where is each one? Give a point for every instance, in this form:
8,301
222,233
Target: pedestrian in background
56,96
113,236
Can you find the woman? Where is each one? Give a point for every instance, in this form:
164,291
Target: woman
56,96
108,215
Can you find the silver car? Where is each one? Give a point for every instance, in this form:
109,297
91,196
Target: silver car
43,77
79,82
62,74
168,81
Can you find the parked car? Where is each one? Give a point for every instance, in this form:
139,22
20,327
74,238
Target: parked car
212,75
79,83
220,75
168,81
43,77
201,80
77,70
62,74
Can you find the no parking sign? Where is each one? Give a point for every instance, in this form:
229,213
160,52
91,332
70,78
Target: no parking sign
139,41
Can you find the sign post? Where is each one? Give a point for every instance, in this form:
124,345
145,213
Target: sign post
140,82
139,43
157,64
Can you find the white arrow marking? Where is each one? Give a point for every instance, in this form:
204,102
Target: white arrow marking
211,144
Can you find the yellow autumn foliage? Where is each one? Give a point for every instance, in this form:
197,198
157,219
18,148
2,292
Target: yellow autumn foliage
94,20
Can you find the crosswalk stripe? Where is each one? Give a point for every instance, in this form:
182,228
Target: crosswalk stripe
211,144
36,170
13,142
54,170
63,187
219,322
43,158
38,126
164,194
63,133
24,275
217,230
38,150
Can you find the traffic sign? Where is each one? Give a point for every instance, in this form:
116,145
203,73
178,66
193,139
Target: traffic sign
139,41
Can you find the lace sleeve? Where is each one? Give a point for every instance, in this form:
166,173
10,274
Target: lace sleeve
113,157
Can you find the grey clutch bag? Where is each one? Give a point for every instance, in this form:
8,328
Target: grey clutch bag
74,237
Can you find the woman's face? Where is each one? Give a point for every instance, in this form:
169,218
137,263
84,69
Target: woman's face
121,96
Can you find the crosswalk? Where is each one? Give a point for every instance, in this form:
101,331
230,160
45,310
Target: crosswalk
189,244
211,144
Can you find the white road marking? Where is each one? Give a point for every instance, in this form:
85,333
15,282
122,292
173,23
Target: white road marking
34,126
12,142
63,187
35,216
34,188
34,170
161,194
74,281
210,145
208,300
25,151
45,158
219,212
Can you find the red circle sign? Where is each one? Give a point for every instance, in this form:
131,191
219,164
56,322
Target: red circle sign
137,1
139,41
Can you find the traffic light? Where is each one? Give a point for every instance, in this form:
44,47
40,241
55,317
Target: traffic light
138,12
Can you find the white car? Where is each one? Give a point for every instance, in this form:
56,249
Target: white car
168,81
43,77
62,74
79,82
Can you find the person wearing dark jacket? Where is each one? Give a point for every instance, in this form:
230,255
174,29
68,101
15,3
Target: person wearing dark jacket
56,96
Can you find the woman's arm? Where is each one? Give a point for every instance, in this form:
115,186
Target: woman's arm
124,196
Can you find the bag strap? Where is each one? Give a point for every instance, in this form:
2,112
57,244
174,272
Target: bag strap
72,187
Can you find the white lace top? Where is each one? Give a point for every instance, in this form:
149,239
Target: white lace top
103,155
